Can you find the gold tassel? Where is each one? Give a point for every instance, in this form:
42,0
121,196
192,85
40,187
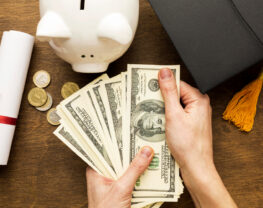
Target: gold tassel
241,110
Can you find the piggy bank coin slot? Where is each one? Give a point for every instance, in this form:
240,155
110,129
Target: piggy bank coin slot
82,4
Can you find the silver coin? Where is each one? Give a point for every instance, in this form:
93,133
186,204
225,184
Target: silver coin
42,79
52,117
47,105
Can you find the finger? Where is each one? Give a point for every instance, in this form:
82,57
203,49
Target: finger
170,92
139,164
190,94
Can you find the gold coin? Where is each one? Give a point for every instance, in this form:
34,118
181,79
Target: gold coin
37,97
52,117
68,89
48,104
42,79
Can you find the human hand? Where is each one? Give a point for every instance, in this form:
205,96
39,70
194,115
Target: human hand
188,129
189,137
107,193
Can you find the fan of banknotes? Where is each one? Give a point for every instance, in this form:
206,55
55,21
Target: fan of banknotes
108,121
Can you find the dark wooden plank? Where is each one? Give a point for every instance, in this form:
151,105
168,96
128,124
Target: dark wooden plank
42,172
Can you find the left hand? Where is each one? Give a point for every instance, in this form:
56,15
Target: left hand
107,193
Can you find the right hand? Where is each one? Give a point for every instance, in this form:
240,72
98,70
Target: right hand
189,137
188,129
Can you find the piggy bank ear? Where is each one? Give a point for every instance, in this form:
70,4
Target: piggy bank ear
116,27
51,26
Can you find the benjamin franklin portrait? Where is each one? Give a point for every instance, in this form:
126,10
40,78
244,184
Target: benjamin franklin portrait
148,120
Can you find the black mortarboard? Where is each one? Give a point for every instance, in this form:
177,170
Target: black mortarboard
216,38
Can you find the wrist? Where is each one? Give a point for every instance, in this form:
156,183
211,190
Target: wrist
200,175
206,186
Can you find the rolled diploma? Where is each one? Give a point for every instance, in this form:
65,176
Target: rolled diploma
15,54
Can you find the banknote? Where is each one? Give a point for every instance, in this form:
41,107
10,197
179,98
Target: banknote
100,103
125,121
107,122
146,116
113,101
83,122
65,136
146,205
65,122
74,109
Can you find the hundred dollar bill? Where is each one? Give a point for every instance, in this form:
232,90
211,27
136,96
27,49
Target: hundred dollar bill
74,109
64,135
156,197
112,147
156,205
99,105
113,102
83,123
99,99
90,107
146,205
153,198
100,164
125,121
146,116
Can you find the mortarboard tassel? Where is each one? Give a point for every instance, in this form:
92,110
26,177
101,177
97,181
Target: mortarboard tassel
241,110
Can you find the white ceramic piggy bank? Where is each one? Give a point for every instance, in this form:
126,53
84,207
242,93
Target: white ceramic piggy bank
89,34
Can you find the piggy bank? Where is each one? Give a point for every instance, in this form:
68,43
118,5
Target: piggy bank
88,34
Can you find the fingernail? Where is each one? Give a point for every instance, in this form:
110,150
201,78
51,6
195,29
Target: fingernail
147,152
165,74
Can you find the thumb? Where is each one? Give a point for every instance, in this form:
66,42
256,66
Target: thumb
170,93
139,164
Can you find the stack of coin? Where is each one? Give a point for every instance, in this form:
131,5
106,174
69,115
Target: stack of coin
43,101
38,97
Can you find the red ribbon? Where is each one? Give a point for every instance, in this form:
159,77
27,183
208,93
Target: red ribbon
8,120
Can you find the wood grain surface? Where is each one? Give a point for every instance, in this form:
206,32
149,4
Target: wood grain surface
42,172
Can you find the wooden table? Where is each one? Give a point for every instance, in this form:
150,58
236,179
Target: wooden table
43,172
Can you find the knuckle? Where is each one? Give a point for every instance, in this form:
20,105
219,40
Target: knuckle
205,100
138,165
169,87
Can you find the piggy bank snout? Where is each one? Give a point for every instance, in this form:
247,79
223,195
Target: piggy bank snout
90,67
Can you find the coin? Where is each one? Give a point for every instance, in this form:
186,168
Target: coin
68,89
41,79
52,117
37,97
48,104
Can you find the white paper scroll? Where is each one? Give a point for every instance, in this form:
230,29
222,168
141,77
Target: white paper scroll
15,54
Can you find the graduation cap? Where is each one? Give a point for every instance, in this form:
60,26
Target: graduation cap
217,39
